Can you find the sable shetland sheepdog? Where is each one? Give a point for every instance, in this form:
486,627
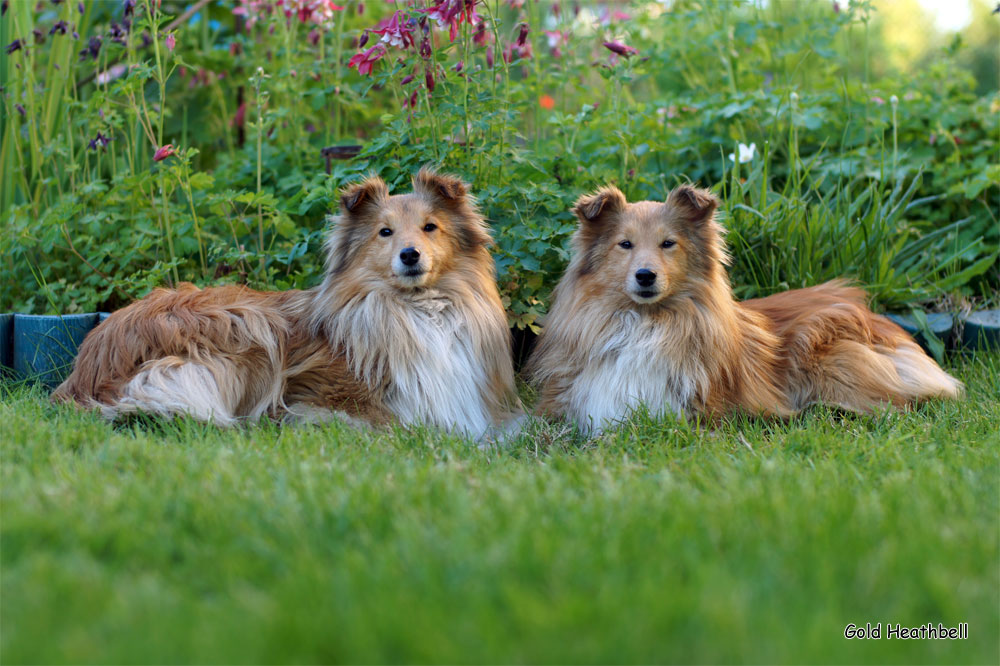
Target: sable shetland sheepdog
645,315
407,326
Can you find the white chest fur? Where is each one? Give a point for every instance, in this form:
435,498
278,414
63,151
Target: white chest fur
440,380
633,365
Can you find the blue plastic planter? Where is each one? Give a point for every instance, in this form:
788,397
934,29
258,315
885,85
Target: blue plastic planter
45,345
982,330
6,343
939,323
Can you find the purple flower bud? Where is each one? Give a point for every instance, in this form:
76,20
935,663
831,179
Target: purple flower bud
39,36
363,40
20,109
406,79
522,36
621,49
80,8
489,56
3,7
129,7
15,45
60,27
425,48
92,50
458,66
361,8
429,81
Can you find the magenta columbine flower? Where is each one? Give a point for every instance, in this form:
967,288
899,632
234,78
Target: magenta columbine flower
395,32
366,60
163,152
451,13
621,49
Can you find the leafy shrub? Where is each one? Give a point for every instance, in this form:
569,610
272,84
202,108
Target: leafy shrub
893,182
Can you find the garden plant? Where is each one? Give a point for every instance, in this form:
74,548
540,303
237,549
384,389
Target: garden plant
145,143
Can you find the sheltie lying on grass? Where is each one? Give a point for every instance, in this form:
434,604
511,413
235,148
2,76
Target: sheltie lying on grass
407,326
645,315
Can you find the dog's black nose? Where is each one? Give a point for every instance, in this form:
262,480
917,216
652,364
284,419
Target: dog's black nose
409,256
645,277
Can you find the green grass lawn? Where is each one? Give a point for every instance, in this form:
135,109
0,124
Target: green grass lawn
757,542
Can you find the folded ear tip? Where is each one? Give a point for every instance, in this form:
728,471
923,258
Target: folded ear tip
355,194
591,206
445,185
696,197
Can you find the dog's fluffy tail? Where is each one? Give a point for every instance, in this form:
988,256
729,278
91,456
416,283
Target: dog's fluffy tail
214,354
841,353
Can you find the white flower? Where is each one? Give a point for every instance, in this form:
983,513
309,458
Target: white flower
746,153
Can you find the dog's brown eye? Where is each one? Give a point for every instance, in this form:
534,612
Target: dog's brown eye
385,231
667,244
625,245
430,226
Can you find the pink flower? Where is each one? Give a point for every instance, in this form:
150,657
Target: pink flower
451,13
253,10
170,41
620,49
512,51
608,16
163,152
557,40
878,100
489,56
319,12
481,36
394,32
365,61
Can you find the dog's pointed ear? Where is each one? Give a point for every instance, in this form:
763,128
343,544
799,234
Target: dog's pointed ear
597,208
356,199
693,204
447,191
